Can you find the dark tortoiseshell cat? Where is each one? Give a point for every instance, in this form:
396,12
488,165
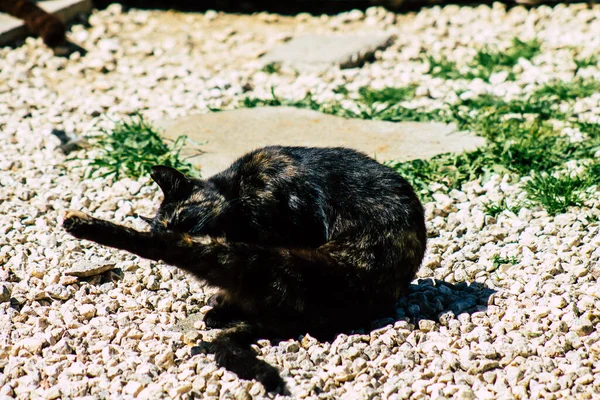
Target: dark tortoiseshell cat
317,240
39,22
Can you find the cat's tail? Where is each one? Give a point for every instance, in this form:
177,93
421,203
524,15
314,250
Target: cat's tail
233,352
48,26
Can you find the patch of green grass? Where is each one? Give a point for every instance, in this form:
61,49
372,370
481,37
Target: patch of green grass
371,104
510,57
513,146
592,173
451,170
133,147
526,146
589,61
565,91
271,68
486,62
274,101
589,128
469,112
495,209
388,95
399,114
441,67
557,194
341,89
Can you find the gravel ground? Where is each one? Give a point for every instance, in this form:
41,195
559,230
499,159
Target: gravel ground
470,328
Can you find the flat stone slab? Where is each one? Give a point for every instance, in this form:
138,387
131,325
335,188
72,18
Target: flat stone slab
225,136
13,28
322,51
85,269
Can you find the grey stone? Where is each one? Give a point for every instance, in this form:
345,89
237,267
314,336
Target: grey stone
86,269
13,28
187,325
60,292
317,50
225,136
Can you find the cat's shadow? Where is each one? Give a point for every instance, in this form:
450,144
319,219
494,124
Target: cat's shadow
434,300
428,299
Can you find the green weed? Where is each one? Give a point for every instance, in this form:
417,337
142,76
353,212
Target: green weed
513,146
495,209
498,261
494,109
133,147
590,61
510,57
388,95
371,104
525,146
442,67
341,89
486,62
271,68
557,194
589,128
565,91
451,170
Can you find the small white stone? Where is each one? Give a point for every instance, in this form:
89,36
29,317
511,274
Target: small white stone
32,345
133,388
558,302
88,311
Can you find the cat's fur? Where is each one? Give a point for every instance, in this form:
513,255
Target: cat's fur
317,240
39,22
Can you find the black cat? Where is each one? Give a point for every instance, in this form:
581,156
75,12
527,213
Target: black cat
299,240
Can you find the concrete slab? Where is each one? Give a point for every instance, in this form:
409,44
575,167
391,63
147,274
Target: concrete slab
13,28
227,135
323,51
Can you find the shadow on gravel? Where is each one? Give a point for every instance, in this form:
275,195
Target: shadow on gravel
429,299
432,299
114,275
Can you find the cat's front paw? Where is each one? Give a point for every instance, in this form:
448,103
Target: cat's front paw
76,222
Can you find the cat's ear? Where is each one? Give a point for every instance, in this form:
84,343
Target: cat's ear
173,183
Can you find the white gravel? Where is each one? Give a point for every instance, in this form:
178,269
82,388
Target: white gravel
481,331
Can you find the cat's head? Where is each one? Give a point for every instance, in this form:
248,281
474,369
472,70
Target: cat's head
189,205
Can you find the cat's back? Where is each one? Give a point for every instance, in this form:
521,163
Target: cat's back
316,163
344,179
